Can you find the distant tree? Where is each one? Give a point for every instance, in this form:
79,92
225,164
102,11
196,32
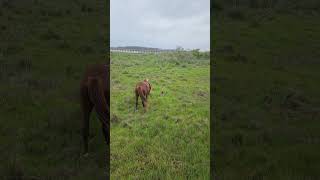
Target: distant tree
196,53
179,48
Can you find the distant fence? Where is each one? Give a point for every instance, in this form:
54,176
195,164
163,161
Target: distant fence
138,51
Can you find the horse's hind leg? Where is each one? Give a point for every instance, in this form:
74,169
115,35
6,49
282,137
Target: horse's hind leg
144,104
86,108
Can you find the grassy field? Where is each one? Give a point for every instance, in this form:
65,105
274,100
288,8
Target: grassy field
266,95
266,92
44,49
170,140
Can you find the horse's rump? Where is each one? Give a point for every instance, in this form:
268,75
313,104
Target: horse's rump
97,96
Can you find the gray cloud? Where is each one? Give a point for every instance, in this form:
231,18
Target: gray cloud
162,24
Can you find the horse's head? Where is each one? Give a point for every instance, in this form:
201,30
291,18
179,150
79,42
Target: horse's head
147,81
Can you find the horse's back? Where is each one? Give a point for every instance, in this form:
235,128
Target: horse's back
141,86
100,71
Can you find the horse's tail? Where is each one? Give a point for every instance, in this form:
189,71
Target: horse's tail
97,96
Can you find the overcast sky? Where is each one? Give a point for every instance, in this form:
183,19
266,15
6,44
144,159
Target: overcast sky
160,23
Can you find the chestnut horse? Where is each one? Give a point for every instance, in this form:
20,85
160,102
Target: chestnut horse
143,90
94,91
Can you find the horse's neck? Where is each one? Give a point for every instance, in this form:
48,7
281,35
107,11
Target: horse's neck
147,83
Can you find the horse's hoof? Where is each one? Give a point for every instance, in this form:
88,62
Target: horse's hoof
85,154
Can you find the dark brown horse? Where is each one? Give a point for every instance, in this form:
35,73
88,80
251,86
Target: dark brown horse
143,90
94,91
